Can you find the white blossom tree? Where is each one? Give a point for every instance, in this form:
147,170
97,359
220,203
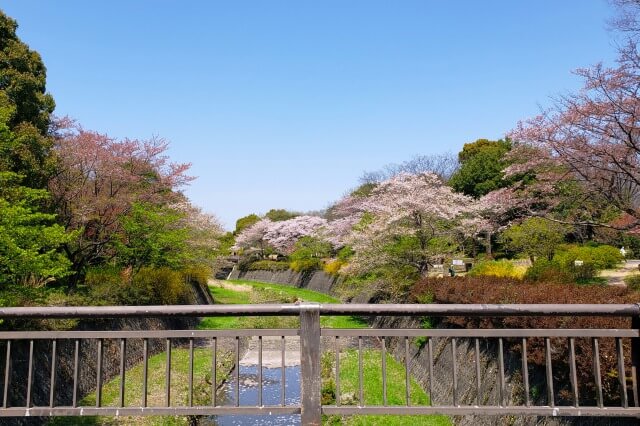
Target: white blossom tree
409,220
283,235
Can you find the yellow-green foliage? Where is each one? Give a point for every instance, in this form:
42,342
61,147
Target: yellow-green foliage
600,257
502,268
306,265
268,265
198,273
333,267
166,286
633,281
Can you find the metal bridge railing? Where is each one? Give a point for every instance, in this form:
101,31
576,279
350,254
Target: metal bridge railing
86,351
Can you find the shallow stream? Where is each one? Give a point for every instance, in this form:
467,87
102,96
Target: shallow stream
249,391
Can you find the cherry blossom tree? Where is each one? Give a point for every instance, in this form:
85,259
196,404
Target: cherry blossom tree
283,235
253,236
589,141
98,180
409,220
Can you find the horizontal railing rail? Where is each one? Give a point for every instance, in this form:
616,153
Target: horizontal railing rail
458,364
471,310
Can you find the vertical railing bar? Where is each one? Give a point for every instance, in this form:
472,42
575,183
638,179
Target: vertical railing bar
7,375
123,355
190,372
572,371
260,371
596,371
549,372
407,377
30,373
283,392
337,370
99,375
76,361
525,373
454,372
477,361
621,373
360,374
167,379
145,370
430,357
237,370
501,379
635,360
384,371
214,368
52,380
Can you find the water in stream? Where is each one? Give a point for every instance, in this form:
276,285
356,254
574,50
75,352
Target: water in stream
271,395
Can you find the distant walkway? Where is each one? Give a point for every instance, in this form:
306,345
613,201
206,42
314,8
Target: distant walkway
616,276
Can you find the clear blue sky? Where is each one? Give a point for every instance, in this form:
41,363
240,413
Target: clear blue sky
283,104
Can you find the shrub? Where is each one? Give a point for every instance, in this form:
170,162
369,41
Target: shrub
306,265
543,270
161,285
600,257
149,286
498,268
333,267
106,285
198,273
268,265
633,282
481,290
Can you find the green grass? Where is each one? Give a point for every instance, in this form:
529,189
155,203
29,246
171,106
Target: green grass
290,291
592,281
372,389
156,387
272,293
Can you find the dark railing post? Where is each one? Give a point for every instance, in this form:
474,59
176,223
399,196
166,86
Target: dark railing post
635,360
310,363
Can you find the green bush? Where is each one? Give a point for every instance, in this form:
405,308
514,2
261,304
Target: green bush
333,267
161,286
198,273
599,257
502,268
306,265
633,282
268,265
107,285
544,270
149,286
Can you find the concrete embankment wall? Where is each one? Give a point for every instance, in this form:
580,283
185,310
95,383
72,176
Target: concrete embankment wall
316,280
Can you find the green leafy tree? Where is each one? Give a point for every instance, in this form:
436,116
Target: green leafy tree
245,222
152,236
535,237
29,239
481,167
308,253
23,78
23,93
278,215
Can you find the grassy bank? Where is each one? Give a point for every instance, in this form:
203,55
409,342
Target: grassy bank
156,387
243,292
372,390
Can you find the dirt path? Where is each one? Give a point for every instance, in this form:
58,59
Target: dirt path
244,288
616,276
